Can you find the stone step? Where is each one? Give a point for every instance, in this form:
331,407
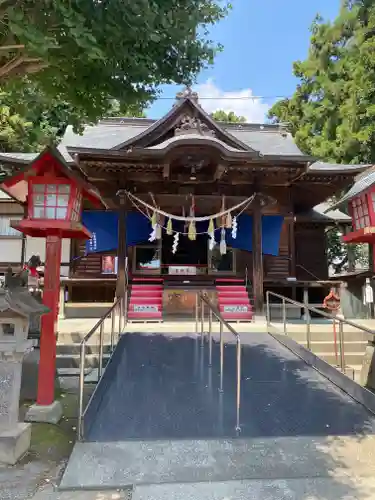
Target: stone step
76,338
329,346
83,310
73,360
122,464
327,334
351,358
75,349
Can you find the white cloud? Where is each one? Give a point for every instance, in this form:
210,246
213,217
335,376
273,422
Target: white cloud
240,102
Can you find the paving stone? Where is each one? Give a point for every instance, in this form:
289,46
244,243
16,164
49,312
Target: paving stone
281,489
48,493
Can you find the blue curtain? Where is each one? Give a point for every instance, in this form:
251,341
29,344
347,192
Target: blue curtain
104,227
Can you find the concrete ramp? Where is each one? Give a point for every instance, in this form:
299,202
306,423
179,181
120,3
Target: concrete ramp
161,427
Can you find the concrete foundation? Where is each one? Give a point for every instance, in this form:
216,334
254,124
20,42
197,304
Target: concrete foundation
14,443
47,414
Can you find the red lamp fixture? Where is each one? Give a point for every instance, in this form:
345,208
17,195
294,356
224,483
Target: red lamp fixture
362,212
53,194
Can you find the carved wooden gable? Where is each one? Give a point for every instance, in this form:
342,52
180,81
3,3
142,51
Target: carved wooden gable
186,117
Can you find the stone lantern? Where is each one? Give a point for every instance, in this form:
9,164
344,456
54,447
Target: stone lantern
16,307
53,192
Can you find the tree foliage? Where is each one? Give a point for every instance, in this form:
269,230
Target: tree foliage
223,116
87,53
332,112
30,120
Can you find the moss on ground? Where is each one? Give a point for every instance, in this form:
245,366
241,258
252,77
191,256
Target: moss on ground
54,443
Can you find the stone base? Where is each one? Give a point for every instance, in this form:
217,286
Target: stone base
367,378
14,443
260,318
50,414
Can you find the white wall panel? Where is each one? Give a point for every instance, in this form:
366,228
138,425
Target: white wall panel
10,250
38,246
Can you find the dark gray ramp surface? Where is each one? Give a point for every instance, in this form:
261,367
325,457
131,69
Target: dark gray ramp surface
161,388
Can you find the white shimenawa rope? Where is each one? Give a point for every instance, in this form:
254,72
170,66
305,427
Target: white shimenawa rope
190,219
248,202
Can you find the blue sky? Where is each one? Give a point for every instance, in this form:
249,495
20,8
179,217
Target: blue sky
261,40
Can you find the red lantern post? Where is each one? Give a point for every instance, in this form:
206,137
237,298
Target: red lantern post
54,194
332,303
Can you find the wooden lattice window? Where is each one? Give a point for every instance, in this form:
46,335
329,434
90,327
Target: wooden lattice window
360,212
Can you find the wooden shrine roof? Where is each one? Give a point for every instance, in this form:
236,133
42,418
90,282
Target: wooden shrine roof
140,152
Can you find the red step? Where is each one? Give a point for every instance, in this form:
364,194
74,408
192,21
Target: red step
143,316
145,280
234,288
234,300
238,295
229,280
146,300
146,293
148,287
238,316
234,295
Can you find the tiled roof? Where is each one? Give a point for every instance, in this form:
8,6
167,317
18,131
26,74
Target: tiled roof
363,182
267,139
320,166
25,158
102,136
323,210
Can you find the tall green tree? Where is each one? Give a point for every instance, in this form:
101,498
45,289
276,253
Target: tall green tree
332,112
231,117
87,53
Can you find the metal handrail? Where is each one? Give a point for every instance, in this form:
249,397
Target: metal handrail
318,311
307,308
202,299
120,305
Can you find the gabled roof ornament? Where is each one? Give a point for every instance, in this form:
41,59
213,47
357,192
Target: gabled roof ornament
187,93
190,125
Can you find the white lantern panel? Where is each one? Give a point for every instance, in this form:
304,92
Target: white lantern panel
38,212
50,213
61,213
62,200
64,189
38,188
51,200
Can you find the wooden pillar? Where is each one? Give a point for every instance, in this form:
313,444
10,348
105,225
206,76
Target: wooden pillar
292,249
257,258
371,256
47,363
350,249
121,246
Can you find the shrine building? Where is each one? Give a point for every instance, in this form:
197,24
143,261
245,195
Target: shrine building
154,173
